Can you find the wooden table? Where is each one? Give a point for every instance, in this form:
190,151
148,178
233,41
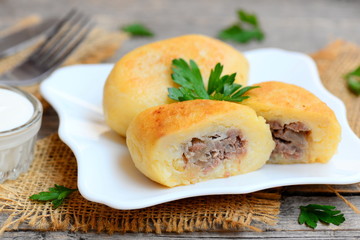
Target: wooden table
304,26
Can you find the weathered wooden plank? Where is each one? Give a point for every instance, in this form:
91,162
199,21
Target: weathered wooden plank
352,189
288,24
297,235
290,212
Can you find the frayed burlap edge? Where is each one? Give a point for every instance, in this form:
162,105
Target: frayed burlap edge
347,202
55,163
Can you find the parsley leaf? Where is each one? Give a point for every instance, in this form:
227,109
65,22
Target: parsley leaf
137,29
313,213
220,88
248,18
55,194
353,81
237,34
246,29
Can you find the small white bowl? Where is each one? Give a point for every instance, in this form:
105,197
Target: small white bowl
17,144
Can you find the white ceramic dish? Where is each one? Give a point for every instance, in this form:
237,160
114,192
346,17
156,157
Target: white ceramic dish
107,175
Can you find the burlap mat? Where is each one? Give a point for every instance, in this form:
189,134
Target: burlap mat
55,164
333,62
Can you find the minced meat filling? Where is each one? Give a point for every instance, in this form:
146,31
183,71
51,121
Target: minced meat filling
290,139
208,151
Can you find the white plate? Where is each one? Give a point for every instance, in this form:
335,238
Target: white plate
107,175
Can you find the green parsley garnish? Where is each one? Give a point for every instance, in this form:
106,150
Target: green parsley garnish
137,29
245,30
55,194
353,81
192,87
313,213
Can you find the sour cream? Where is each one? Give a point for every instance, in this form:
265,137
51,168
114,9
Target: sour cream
20,121
15,110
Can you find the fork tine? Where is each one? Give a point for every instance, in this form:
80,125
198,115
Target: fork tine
64,53
63,38
52,33
61,41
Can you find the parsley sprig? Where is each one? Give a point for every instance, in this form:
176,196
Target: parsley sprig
246,29
353,81
55,194
313,213
137,29
221,88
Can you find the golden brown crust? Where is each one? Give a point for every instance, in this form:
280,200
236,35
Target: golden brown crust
288,103
142,77
164,120
284,95
157,136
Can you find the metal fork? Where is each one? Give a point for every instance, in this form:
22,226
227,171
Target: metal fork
60,42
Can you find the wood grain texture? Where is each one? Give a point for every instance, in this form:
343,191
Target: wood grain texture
293,25
297,235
